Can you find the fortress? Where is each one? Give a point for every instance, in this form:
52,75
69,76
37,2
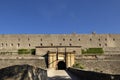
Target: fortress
55,50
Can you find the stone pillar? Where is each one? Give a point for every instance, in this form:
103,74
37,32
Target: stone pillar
52,60
67,60
70,59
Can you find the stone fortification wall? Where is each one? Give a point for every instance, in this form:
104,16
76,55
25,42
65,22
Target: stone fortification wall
6,61
43,50
85,40
100,63
111,50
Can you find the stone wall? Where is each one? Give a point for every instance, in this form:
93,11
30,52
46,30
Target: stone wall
43,50
6,61
100,63
19,41
111,50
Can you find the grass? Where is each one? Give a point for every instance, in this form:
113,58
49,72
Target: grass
93,51
26,51
78,65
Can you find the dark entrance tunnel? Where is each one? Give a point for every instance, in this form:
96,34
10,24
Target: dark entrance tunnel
61,65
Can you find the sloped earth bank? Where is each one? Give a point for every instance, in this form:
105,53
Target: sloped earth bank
23,72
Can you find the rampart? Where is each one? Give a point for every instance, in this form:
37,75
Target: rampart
100,63
18,41
6,61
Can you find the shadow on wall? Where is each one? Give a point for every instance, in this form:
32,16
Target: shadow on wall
23,72
46,59
89,75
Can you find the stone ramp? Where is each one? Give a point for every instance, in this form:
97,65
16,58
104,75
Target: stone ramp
58,75
73,76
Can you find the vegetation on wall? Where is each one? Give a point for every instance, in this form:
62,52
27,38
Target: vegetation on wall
26,51
93,51
78,65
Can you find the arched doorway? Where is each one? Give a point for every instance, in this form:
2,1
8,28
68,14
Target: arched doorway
61,65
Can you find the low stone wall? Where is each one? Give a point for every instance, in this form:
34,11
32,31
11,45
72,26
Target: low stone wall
89,75
6,61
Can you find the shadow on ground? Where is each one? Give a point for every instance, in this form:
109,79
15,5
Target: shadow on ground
90,75
59,78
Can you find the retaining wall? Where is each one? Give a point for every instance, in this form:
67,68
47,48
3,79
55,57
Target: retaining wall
100,63
6,61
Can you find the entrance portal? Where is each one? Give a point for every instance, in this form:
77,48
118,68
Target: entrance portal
61,65
60,60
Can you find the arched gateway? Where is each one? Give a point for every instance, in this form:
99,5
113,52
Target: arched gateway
60,60
61,65
59,57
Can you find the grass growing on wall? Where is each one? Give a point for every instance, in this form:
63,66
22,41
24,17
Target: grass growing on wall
26,51
78,65
93,51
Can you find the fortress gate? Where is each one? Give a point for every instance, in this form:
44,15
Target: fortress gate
60,60
58,57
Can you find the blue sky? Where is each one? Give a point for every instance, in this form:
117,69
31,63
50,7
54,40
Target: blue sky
59,16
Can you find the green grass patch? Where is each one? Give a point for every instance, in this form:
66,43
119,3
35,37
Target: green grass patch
78,65
93,51
26,51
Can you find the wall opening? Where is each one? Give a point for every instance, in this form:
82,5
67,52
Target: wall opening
61,65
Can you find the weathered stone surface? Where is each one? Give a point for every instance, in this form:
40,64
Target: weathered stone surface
29,41
23,72
100,63
37,61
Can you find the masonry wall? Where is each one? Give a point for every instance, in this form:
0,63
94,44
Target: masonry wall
43,51
85,40
100,63
6,61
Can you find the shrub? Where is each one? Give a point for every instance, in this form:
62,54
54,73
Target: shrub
78,65
93,51
23,51
26,51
